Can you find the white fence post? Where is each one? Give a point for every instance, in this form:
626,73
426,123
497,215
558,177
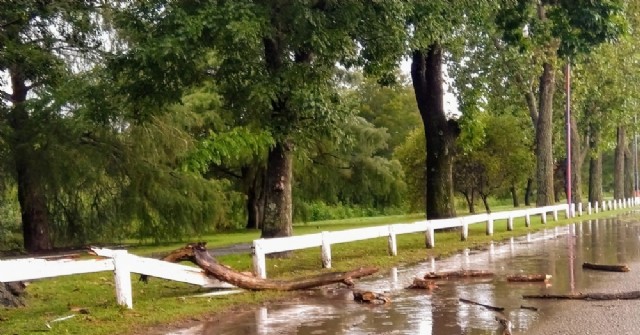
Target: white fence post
464,233
510,223
393,245
615,204
259,260
527,220
489,228
572,209
555,215
580,209
588,208
566,212
122,276
543,217
430,238
597,207
326,250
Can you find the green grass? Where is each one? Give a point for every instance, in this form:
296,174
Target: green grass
163,302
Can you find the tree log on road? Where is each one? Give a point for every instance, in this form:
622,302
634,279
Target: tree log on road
587,296
459,274
529,278
605,267
245,281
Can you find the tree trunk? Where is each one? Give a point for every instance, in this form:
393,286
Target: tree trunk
254,178
595,162
468,196
628,171
33,204
544,136
485,202
278,200
618,173
440,134
514,196
528,191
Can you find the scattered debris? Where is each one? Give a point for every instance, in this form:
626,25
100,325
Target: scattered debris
423,284
531,308
605,267
369,297
48,324
506,324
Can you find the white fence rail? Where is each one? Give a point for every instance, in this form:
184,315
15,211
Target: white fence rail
325,239
119,261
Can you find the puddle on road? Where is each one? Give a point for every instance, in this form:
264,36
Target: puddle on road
557,251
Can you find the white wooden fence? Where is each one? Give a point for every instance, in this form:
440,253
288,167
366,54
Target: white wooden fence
119,261
262,247
123,264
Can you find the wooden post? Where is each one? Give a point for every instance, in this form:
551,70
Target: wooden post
510,223
393,245
597,207
615,204
489,228
555,215
527,220
588,208
430,238
122,276
572,208
579,209
543,217
326,250
566,212
259,260
464,234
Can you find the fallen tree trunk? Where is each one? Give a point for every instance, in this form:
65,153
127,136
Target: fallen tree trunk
529,278
175,256
587,296
459,274
493,308
605,267
241,280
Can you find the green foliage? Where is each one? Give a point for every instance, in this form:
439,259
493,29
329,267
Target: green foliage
412,157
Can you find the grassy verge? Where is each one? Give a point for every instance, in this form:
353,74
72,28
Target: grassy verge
163,302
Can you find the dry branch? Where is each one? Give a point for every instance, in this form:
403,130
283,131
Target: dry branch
587,296
529,278
606,267
493,308
242,280
459,274
531,308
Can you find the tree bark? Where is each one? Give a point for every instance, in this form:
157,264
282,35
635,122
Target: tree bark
485,201
618,173
628,171
468,196
33,204
440,134
528,191
278,199
606,267
544,136
254,178
514,196
223,273
577,160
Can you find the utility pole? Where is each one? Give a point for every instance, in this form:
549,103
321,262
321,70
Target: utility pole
567,74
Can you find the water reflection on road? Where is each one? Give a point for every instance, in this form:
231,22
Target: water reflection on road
558,251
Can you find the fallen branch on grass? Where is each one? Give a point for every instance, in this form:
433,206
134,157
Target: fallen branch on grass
493,308
605,267
587,296
459,274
